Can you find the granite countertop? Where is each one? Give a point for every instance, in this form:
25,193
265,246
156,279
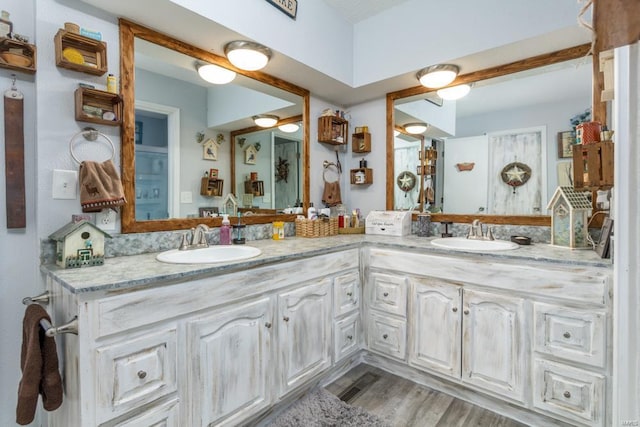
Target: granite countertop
134,271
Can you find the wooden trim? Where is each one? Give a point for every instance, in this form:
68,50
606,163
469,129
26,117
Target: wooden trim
488,73
128,32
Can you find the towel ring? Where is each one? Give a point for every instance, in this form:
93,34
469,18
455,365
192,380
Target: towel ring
90,134
327,165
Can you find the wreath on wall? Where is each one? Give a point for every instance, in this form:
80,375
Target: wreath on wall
515,174
406,181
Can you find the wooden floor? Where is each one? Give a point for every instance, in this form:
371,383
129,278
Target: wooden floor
403,403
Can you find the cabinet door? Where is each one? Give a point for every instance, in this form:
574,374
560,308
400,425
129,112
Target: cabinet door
493,343
304,333
346,293
229,363
435,326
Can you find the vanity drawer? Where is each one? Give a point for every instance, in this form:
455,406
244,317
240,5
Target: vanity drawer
574,393
346,293
346,336
387,335
135,372
576,335
388,293
165,415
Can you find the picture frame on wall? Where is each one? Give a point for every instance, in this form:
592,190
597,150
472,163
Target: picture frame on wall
250,155
210,150
566,141
565,174
208,212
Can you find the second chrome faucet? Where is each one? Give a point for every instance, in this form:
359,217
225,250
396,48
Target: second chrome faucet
476,232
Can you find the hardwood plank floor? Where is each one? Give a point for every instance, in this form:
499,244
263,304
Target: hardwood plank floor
403,403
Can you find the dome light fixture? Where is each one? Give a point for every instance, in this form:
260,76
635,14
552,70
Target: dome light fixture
265,120
289,127
415,128
215,74
437,76
454,92
246,55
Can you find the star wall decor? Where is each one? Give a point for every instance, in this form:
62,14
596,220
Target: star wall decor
515,174
406,181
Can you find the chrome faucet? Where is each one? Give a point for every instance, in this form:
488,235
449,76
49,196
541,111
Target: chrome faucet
198,238
476,232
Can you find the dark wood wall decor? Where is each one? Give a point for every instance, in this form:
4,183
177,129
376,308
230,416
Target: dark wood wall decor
14,157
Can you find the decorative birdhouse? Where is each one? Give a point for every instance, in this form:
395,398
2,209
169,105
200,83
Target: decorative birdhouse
79,244
230,204
570,210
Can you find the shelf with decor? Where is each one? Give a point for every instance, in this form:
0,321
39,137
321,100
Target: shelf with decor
80,53
593,166
333,130
361,142
17,56
361,176
255,188
98,106
211,187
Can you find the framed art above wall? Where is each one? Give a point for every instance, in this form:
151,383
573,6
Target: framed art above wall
566,140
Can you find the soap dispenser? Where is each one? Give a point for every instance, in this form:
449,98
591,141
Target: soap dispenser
225,230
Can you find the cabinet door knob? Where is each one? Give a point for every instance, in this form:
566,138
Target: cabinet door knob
566,394
349,294
567,335
386,294
268,325
142,375
349,337
385,336
285,318
466,311
454,309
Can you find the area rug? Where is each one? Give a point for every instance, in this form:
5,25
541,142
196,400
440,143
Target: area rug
319,408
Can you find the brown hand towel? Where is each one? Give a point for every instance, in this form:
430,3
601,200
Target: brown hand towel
100,186
39,364
331,194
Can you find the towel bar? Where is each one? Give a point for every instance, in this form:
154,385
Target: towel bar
71,327
43,298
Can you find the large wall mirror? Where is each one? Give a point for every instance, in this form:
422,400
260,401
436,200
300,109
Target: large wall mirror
513,116
178,129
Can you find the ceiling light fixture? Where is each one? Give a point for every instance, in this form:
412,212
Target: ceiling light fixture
265,120
247,55
454,92
415,128
289,127
215,74
437,76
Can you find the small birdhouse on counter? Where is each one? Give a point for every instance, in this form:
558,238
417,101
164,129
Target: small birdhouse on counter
79,244
570,210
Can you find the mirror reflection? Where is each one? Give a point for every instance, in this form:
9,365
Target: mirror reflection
498,147
178,162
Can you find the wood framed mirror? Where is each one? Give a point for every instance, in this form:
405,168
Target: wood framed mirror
524,66
283,96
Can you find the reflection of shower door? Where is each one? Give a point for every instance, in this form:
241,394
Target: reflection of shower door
286,163
465,192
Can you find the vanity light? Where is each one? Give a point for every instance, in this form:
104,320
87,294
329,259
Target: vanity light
437,76
454,92
289,127
415,128
265,120
215,74
247,55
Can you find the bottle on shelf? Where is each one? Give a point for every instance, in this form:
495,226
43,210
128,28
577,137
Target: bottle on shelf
312,213
225,230
6,26
112,84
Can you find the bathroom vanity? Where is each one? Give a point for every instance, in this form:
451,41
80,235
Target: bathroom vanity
525,333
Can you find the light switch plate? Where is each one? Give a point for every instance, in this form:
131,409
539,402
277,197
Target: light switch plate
186,197
65,184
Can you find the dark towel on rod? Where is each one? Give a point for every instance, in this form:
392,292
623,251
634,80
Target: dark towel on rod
39,364
331,194
100,186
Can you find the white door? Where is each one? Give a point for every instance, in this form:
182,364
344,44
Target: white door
435,326
230,357
493,343
304,333
467,187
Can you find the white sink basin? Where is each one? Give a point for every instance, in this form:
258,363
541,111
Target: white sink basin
212,254
464,244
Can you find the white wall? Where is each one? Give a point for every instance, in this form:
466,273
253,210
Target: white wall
19,248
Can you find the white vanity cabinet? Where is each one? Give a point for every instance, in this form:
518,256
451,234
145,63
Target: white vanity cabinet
210,351
346,312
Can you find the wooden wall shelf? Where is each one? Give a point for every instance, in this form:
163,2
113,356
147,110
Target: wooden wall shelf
333,130
368,176
211,187
27,50
93,52
593,166
256,188
91,104
361,142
